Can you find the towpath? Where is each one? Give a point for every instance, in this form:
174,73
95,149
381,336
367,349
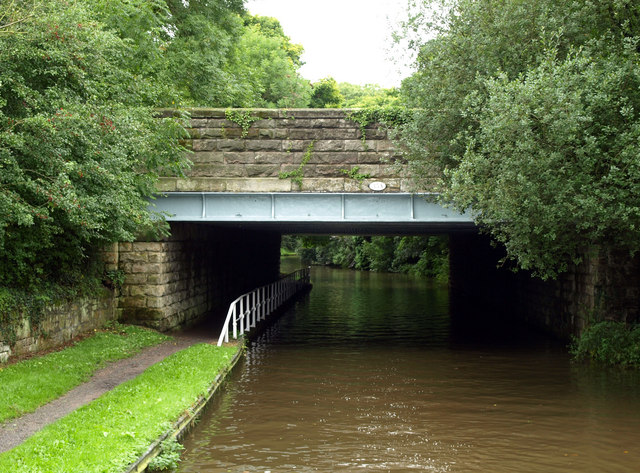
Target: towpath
15,431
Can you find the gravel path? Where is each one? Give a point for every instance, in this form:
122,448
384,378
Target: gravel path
14,432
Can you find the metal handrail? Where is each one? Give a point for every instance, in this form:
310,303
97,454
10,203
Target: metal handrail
250,308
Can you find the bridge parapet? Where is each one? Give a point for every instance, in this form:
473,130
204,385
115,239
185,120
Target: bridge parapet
293,150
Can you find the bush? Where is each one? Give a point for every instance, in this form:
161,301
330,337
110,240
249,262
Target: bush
612,343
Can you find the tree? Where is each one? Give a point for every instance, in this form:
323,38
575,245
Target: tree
529,110
368,96
267,62
80,149
326,94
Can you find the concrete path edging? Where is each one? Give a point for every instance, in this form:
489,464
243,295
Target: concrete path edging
181,426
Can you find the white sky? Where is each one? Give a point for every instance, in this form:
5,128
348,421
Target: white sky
349,40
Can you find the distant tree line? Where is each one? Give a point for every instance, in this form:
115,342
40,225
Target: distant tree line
426,256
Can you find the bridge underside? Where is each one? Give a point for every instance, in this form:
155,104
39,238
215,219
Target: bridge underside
318,213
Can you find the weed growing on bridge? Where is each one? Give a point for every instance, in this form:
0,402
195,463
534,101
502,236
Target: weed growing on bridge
390,117
297,174
242,118
354,173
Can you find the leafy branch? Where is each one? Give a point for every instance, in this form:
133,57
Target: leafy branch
297,174
354,173
389,117
241,118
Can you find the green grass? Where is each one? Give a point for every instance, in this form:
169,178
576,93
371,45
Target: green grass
29,384
110,433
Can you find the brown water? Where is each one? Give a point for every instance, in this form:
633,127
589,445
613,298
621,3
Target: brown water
371,372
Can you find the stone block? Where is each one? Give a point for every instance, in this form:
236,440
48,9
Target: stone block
202,185
133,291
147,268
140,246
265,123
238,133
296,145
305,134
218,170
159,257
219,123
322,170
354,145
323,185
231,145
158,291
205,145
239,158
5,353
207,113
263,184
263,170
208,133
264,145
133,301
386,145
134,257
369,157
335,158
199,122
166,184
207,157
329,145
298,113
272,157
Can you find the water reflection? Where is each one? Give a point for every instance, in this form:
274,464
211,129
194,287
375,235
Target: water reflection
367,373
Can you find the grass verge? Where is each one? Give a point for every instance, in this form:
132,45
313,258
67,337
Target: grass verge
26,385
114,430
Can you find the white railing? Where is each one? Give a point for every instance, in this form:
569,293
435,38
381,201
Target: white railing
250,308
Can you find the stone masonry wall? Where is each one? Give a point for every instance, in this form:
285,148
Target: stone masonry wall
225,161
604,286
194,273
60,324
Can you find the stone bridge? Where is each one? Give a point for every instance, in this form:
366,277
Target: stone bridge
301,170
326,150
258,174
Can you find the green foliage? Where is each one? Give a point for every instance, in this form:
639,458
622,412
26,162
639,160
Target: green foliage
267,62
111,432
242,118
169,456
611,343
368,96
29,384
326,94
80,149
354,173
529,111
297,174
422,256
389,117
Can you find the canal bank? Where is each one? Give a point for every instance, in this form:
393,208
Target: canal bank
378,372
110,433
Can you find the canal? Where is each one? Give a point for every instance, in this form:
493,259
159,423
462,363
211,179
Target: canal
378,372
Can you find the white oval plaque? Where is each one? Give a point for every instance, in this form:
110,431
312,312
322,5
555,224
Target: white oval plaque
377,186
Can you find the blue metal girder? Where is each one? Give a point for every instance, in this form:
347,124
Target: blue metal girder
306,207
